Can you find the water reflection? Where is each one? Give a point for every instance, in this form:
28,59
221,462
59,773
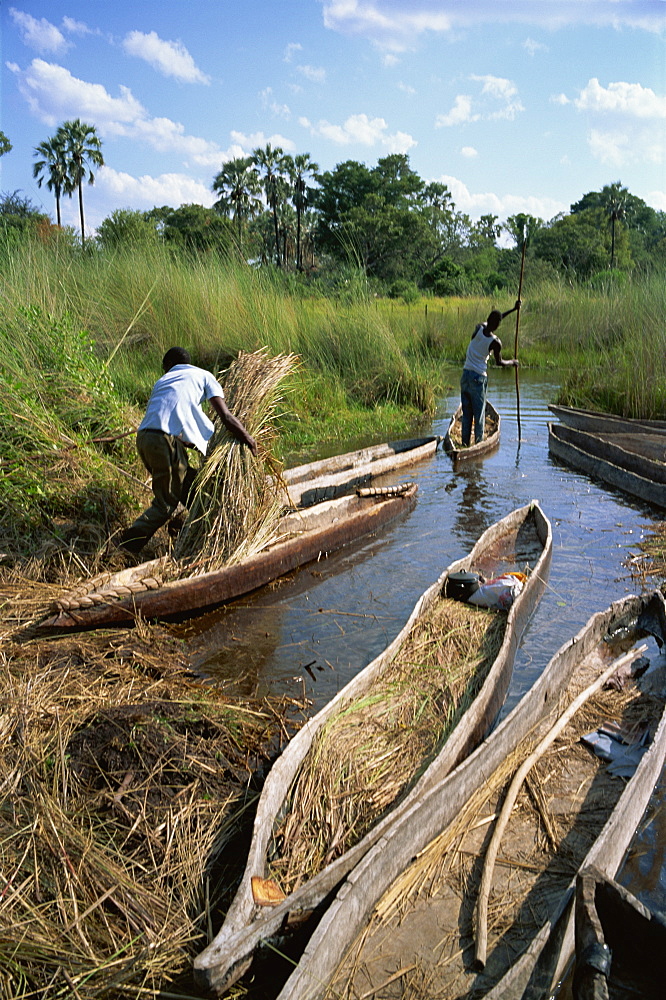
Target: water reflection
314,631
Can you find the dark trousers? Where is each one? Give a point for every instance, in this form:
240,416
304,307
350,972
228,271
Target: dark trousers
473,399
165,458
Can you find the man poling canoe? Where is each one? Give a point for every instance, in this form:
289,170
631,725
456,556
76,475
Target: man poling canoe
474,380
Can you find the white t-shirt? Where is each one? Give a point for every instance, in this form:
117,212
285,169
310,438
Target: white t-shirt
480,346
175,405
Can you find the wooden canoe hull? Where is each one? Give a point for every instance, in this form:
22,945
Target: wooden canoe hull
626,470
479,450
342,474
321,529
612,924
230,953
595,422
432,813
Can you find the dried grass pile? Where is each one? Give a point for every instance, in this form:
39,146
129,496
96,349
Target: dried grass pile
373,750
236,510
122,779
455,433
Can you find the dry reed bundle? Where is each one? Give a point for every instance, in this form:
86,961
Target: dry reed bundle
121,780
455,433
371,751
235,510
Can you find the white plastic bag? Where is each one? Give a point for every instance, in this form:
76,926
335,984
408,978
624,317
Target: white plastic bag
498,593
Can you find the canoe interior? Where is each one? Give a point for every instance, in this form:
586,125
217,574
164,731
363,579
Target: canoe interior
342,474
637,475
611,924
523,537
453,438
595,421
409,904
351,459
644,454
302,536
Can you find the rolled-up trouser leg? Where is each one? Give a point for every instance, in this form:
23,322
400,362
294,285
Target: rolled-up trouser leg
165,457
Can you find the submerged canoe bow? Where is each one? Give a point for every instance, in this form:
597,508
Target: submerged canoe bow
523,537
453,438
576,812
303,536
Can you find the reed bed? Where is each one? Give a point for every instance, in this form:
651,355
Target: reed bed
533,869
374,749
235,510
121,782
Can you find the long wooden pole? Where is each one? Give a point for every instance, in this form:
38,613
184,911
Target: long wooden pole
515,343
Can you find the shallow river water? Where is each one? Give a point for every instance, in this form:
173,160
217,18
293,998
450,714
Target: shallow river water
313,632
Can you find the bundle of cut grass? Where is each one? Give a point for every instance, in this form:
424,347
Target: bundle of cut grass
490,426
374,749
121,782
235,510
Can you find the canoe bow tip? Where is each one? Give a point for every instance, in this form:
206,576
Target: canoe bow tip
217,979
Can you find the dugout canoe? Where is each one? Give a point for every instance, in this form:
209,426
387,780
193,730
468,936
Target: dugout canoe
596,422
433,937
453,438
328,478
522,537
633,463
302,536
620,942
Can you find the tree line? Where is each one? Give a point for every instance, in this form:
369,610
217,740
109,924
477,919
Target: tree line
403,234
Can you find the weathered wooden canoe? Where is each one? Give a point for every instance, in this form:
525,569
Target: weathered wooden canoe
358,945
596,422
453,438
633,463
523,537
620,942
341,474
304,535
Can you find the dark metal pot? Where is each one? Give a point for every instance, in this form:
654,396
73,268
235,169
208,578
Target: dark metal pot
461,586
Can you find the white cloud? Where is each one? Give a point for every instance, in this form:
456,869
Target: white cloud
460,113
268,102
494,89
248,142
397,25
406,89
499,89
560,99
469,152
657,199
77,27
53,94
290,50
483,203
630,99
168,58
362,130
315,74
533,47
146,191
39,35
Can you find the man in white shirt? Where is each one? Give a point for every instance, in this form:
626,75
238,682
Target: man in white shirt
474,380
174,422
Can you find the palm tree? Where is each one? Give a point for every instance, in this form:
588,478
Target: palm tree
239,185
52,168
271,162
615,202
82,147
301,168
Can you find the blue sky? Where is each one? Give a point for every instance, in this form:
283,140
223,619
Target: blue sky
517,105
